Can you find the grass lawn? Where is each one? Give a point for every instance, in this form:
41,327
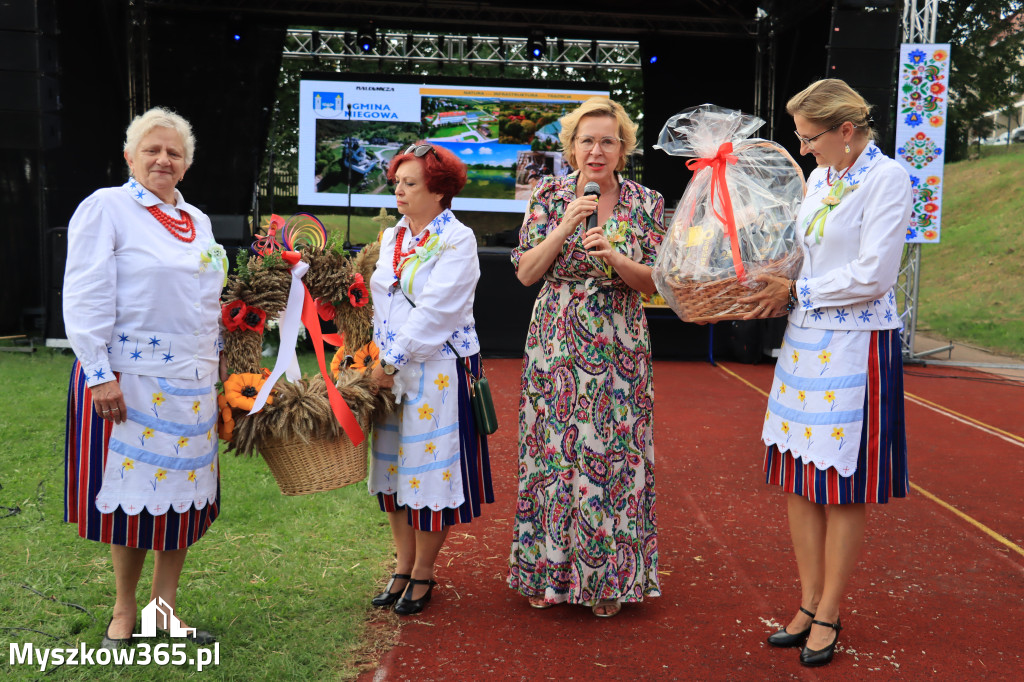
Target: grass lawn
972,282
285,582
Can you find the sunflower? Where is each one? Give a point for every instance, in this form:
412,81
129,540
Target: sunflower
337,362
241,390
366,357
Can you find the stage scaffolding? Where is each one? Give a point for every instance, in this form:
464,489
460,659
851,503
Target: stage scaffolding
434,48
919,20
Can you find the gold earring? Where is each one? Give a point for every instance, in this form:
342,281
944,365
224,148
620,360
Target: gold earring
847,147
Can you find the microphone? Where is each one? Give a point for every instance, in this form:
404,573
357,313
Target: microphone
591,189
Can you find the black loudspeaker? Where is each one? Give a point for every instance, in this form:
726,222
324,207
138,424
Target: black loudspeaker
863,50
502,306
56,258
230,230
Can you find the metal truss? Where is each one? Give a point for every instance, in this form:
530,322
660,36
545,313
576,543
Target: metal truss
432,48
919,21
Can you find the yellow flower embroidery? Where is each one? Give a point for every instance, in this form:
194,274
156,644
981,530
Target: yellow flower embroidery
158,398
785,427
401,451
127,464
837,432
182,442
796,357
447,475
192,475
830,396
392,469
147,433
161,474
212,467
431,448
441,381
414,483
807,432
426,412
767,414
825,357
802,395
195,406
782,388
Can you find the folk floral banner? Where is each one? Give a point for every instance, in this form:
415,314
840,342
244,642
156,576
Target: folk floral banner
923,97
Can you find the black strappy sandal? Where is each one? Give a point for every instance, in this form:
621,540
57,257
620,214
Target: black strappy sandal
387,597
783,639
813,658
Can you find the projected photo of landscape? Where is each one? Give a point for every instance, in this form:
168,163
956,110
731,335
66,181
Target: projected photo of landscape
359,152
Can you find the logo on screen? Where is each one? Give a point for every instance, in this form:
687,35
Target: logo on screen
329,104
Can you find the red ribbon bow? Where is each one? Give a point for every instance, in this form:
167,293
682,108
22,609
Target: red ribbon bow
717,164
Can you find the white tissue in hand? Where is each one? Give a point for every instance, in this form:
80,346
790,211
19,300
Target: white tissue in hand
407,380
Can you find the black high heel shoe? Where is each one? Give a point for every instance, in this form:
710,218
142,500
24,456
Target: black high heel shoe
785,639
407,606
387,597
812,657
111,643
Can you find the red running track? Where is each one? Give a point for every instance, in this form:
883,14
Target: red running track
938,594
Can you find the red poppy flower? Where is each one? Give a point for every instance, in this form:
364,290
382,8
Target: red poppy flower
325,309
253,320
938,88
358,296
232,314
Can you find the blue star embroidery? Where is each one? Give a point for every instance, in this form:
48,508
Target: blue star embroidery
808,304
455,334
110,349
98,374
888,316
133,184
817,314
445,349
841,315
862,170
854,182
466,330
400,359
446,218
819,184
141,193
168,357
892,298
153,341
465,345
865,315
122,339
377,334
805,291
137,354
391,336
873,151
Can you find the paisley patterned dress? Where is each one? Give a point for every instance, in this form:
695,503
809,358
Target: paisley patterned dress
585,525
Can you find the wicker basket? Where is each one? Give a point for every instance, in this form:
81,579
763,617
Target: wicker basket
317,466
716,301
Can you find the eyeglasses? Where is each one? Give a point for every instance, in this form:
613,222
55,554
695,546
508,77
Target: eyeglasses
608,144
809,141
420,150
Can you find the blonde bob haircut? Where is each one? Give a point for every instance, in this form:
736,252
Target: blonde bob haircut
831,102
597,106
158,117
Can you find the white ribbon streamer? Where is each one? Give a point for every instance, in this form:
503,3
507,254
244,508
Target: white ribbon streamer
291,318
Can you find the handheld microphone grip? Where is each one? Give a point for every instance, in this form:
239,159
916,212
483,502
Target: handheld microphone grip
591,189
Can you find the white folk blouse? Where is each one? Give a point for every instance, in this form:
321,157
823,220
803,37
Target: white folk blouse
416,450
137,299
852,249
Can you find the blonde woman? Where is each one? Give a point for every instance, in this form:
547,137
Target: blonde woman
834,427
585,527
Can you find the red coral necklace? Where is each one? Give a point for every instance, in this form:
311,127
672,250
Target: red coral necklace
183,229
402,255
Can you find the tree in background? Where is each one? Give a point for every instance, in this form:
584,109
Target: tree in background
986,40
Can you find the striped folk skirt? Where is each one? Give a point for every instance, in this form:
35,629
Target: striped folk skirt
474,461
882,461
85,456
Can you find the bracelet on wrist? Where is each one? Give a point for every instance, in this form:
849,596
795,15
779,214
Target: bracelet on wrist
793,300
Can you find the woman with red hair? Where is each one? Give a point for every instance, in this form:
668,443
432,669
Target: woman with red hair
430,467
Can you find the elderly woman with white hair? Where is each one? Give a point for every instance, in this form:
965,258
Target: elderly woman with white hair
141,310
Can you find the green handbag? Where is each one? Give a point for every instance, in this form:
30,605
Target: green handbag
483,405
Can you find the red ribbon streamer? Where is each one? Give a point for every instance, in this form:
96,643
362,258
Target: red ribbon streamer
311,319
718,163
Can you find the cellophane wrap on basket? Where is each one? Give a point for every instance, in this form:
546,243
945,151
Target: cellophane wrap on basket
737,217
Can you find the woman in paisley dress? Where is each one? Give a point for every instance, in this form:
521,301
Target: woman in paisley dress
586,527
142,312
430,468
834,427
